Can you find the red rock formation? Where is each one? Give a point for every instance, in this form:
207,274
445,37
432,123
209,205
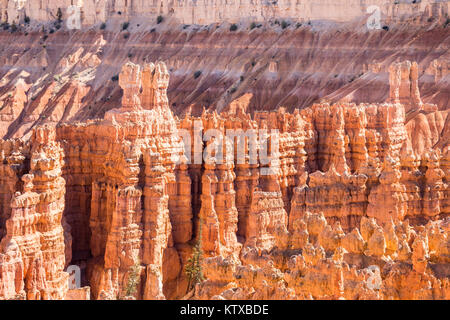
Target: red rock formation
33,246
388,200
340,197
129,160
350,273
411,178
267,218
339,204
434,187
404,89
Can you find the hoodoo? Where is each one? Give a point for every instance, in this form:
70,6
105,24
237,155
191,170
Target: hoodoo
115,197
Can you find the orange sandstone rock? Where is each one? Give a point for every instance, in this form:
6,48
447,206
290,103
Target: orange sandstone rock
346,207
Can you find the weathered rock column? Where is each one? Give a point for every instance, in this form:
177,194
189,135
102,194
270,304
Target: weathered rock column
387,200
157,227
46,166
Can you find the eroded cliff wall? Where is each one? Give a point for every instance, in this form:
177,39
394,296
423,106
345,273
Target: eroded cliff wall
206,12
63,76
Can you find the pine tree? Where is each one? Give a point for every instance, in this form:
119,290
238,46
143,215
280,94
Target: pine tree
59,15
133,279
193,268
13,27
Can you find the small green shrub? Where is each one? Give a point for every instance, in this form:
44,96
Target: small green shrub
233,27
133,279
197,74
115,78
193,269
159,19
125,26
103,26
284,24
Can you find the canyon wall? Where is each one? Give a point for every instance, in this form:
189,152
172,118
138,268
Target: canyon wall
348,197
206,12
59,76
338,204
